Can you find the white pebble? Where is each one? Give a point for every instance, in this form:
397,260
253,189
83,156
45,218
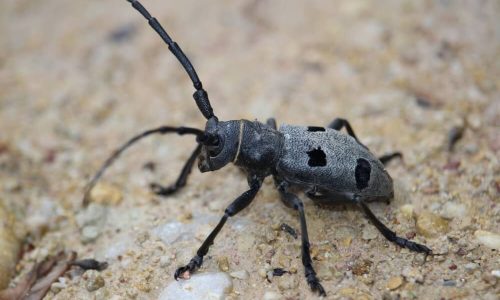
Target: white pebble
489,239
242,274
199,286
453,210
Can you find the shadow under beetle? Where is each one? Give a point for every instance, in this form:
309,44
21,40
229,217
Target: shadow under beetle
329,166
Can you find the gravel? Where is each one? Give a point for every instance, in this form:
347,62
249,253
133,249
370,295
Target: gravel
402,72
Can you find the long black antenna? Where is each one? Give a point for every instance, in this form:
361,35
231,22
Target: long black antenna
200,96
119,151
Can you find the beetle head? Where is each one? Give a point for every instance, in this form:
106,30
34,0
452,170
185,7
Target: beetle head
219,144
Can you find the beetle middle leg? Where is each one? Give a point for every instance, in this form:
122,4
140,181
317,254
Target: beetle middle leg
235,207
291,200
271,122
389,234
181,180
386,158
339,123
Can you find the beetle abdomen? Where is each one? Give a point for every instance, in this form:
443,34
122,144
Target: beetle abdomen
330,160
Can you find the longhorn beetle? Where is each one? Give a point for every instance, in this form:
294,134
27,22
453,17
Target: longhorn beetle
329,166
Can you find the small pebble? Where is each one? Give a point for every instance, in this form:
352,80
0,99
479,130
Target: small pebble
223,263
104,193
496,273
449,282
324,272
453,210
412,275
242,274
165,261
369,233
394,283
262,273
431,225
199,286
94,280
489,239
286,282
407,210
471,266
90,233
271,295
362,267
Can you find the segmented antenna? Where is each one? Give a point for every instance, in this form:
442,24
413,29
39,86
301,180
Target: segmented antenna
200,96
119,151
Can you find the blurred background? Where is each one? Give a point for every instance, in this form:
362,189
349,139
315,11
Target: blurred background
78,78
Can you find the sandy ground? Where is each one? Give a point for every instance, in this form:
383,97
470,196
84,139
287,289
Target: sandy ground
78,78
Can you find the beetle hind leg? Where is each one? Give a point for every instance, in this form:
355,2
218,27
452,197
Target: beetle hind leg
386,158
391,235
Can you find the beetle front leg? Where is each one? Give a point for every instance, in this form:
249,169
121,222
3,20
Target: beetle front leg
389,234
239,204
294,202
181,180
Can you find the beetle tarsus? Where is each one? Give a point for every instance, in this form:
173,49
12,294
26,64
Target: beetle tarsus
391,235
190,268
313,281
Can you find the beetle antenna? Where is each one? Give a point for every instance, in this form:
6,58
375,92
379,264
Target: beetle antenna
200,95
119,151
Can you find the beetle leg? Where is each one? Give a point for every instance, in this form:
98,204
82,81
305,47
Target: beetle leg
339,123
386,158
389,234
235,207
181,180
271,122
293,201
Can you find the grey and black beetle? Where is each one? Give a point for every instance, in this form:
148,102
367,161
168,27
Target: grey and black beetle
328,165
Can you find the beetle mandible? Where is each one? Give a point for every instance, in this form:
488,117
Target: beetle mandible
329,166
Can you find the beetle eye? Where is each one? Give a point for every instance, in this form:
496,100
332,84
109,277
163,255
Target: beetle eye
215,147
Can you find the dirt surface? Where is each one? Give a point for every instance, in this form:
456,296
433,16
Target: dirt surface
78,78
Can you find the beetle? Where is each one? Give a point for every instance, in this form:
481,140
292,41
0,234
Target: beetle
329,166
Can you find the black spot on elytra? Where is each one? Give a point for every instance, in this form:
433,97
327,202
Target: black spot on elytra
317,158
362,173
315,128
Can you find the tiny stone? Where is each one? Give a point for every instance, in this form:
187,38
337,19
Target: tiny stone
223,263
489,239
262,273
407,210
185,217
453,210
496,273
448,282
412,275
269,235
90,233
94,280
242,274
471,266
199,286
104,193
394,283
324,272
369,233
431,225
286,282
362,267
165,261
271,295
